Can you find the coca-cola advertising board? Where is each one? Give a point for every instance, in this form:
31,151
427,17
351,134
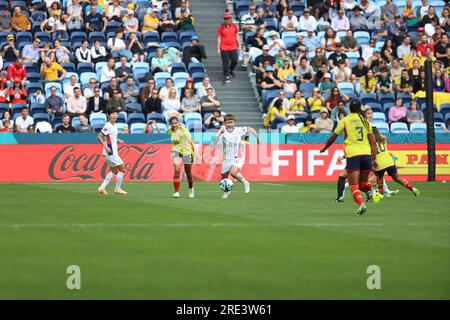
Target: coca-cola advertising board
152,162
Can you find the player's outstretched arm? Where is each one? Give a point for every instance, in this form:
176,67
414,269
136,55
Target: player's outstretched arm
330,141
254,133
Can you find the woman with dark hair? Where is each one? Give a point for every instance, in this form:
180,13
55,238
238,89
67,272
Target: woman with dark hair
329,40
438,81
391,51
282,8
189,86
360,151
98,52
431,16
136,47
419,82
4,91
83,53
17,94
277,114
369,82
334,99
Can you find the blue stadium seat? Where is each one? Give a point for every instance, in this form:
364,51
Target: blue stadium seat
192,117
84,67
75,122
271,24
353,58
135,118
196,67
37,108
385,97
367,98
85,77
382,127
158,117
418,128
445,109
34,76
69,66
134,107
439,127
24,37
177,67
406,97
162,127
150,37
195,127
32,87
96,35
198,76
122,117
375,106
399,127
346,87
38,117
160,79
179,79
97,126
307,87
97,118
137,127
43,36
167,37
378,117
362,37
141,67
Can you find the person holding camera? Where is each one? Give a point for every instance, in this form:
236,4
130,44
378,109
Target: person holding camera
151,127
215,120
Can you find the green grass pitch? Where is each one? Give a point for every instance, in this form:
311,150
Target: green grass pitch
281,241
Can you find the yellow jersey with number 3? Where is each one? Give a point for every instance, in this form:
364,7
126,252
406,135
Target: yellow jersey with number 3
384,158
181,141
356,142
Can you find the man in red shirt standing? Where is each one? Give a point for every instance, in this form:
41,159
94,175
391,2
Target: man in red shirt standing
227,46
17,70
423,45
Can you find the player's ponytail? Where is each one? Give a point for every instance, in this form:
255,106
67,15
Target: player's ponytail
355,107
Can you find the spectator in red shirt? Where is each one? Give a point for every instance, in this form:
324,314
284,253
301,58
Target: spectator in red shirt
227,46
17,94
423,45
17,70
4,92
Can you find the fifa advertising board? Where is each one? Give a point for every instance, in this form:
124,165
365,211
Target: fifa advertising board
152,162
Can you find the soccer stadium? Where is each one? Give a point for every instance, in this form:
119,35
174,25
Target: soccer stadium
225,149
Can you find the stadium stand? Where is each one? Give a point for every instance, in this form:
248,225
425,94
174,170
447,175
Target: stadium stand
315,30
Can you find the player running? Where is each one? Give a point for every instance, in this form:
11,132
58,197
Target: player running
182,153
233,150
385,163
111,154
359,145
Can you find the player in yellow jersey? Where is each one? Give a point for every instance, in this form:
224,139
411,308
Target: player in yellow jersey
360,151
385,163
182,154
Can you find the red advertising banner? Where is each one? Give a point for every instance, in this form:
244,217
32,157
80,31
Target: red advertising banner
152,162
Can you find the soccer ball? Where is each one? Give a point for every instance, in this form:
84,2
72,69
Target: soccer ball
226,185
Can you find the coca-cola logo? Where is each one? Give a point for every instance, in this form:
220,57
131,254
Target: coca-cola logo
68,164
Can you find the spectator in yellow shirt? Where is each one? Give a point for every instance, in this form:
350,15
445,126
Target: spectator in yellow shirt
297,104
368,82
316,102
151,21
50,70
285,70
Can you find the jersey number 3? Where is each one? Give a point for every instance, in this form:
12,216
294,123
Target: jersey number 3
360,132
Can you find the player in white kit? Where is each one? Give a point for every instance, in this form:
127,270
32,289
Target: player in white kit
233,150
111,154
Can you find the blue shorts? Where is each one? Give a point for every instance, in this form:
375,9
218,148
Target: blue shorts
391,171
359,163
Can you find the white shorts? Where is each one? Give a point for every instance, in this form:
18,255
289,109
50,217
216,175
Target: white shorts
113,161
227,164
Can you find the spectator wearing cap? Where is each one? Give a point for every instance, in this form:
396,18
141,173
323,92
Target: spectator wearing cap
326,85
275,43
130,22
289,86
340,22
19,21
5,20
304,72
151,21
389,11
285,70
311,41
210,102
170,53
289,22
357,21
269,82
307,22
24,120
228,46
17,93
258,64
291,126
166,23
186,21
195,52
9,51
17,70
189,86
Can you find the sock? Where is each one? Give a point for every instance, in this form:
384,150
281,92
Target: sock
407,185
356,194
119,180
108,178
365,186
341,187
385,187
381,188
240,178
190,183
176,184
